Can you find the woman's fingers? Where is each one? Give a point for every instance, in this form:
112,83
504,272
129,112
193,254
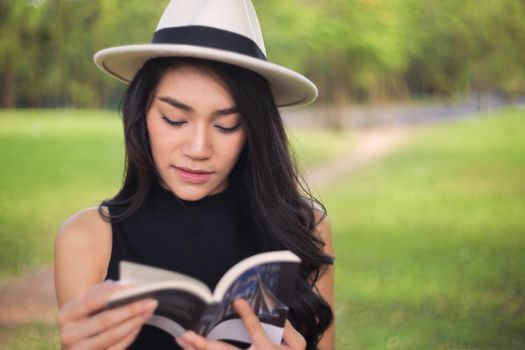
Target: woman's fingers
260,341
184,343
118,334
292,337
252,324
124,343
192,341
95,299
84,326
106,320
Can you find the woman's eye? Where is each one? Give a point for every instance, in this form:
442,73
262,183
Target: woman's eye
228,130
172,122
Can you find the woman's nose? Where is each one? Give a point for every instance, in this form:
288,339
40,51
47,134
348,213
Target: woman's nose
198,145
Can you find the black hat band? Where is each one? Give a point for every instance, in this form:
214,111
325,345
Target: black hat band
209,37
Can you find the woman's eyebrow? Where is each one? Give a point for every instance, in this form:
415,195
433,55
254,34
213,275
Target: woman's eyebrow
177,104
226,111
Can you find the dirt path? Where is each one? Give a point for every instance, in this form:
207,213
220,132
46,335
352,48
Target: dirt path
30,298
372,144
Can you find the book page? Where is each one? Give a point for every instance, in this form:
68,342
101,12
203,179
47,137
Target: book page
142,274
182,299
178,309
268,288
235,272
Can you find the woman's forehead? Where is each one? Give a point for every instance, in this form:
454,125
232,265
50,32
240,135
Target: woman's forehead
194,84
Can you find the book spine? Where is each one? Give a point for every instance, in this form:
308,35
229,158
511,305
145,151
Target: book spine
208,319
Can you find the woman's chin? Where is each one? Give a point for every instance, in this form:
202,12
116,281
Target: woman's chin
192,192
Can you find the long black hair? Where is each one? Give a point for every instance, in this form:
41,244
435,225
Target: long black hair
275,202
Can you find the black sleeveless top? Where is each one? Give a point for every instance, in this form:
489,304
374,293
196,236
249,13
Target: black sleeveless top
200,238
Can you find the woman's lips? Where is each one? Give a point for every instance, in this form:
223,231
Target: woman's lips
193,176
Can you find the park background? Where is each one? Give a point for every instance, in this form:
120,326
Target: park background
415,146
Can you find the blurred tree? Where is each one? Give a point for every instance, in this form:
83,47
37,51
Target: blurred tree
121,22
468,45
18,23
354,50
498,62
47,58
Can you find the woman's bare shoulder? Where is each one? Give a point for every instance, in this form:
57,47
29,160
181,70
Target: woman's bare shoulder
85,227
82,253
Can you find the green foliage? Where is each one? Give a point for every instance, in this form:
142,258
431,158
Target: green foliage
367,49
429,242
469,45
54,66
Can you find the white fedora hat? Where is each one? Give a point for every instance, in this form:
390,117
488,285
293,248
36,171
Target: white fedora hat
220,30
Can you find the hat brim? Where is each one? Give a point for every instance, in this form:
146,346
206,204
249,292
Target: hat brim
289,88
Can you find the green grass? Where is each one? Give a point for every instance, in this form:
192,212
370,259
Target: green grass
54,164
430,242
314,147
31,336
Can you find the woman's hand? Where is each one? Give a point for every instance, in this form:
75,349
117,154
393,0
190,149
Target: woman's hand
81,327
260,341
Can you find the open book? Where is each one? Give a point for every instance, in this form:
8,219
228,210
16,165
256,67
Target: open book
265,280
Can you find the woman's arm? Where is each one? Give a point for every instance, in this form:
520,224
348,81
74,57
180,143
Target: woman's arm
82,251
325,284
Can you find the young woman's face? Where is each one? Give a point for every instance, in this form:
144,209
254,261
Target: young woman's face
195,131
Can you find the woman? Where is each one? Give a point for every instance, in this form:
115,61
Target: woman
209,180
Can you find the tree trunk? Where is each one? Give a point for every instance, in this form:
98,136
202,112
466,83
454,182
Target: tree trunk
340,95
7,88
